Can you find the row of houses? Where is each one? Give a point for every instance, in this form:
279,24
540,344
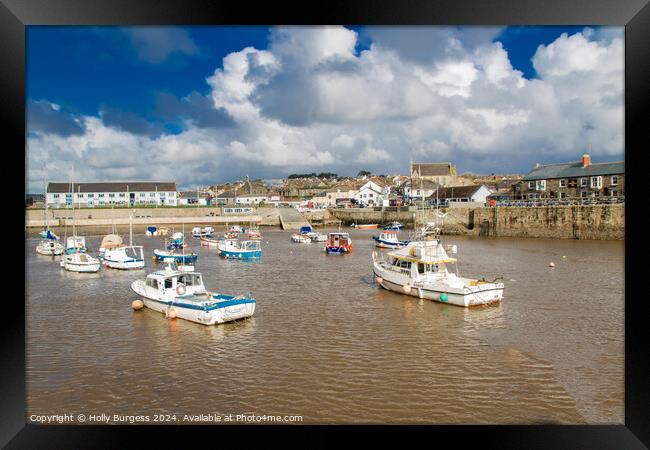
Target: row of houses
432,183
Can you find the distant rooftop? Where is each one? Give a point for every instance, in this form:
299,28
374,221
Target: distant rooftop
120,186
574,170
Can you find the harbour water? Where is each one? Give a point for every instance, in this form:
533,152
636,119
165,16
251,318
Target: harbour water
328,344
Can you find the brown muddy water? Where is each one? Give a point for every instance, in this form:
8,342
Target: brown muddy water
329,345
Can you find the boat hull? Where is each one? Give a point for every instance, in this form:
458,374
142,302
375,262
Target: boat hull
162,256
240,254
124,265
341,250
372,226
81,267
49,251
224,308
382,243
463,296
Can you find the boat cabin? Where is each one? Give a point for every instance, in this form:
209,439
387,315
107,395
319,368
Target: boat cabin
338,239
170,284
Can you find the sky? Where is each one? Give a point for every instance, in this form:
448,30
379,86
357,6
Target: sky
210,104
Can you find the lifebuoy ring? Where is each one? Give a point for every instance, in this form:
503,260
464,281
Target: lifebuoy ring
180,289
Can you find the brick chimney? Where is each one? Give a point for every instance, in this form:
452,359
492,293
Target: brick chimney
586,160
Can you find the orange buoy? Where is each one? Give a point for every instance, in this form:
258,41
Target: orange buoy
137,304
551,264
407,288
171,314
379,280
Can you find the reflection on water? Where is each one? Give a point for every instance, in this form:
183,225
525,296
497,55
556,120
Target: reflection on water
328,344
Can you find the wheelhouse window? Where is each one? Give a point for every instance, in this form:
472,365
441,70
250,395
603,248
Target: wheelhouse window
168,283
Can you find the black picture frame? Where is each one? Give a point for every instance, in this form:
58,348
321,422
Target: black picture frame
634,15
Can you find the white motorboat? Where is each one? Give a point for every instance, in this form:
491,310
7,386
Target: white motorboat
49,247
316,236
80,262
301,239
420,270
124,257
181,293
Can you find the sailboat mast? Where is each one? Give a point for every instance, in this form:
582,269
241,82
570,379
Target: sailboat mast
74,229
131,229
45,210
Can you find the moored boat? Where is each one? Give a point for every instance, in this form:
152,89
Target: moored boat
338,244
389,239
49,247
174,255
300,238
208,241
420,270
182,294
234,249
394,226
198,232
80,262
365,226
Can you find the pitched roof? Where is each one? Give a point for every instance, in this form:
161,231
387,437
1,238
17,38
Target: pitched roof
420,184
131,186
456,191
574,170
432,169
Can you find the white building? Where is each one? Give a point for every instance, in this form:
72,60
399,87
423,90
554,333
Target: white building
113,193
251,199
372,194
460,195
418,189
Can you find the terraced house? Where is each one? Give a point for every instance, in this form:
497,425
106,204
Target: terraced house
115,193
580,179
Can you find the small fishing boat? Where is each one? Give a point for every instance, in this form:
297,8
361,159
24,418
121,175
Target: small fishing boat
234,249
174,255
237,229
365,226
198,232
230,235
122,256
75,244
420,270
181,293
338,244
300,238
389,239
49,247
208,241
317,237
80,262
394,226
177,241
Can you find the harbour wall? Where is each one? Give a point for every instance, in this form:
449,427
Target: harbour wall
150,216
566,222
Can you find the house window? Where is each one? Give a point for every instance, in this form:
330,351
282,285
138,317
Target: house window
122,194
531,185
583,182
614,180
541,185
562,194
111,195
596,182
614,193
562,183
152,194
583,194
141,194
91,195
101,195
56,195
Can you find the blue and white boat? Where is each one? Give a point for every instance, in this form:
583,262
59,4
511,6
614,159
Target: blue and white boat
177,241
174,255
389,239
234,249
182,294
393,226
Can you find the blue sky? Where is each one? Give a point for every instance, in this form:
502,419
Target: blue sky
210,104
